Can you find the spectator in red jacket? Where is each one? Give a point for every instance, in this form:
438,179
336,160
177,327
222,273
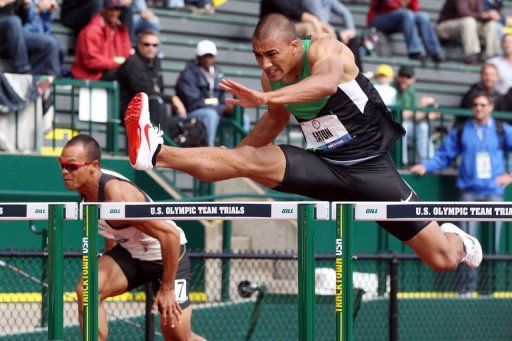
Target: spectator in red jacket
103,45
391,16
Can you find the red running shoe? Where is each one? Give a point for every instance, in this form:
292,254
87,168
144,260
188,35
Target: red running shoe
143,138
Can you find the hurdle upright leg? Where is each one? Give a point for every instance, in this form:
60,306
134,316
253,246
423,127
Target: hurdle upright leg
55,272
306,271
344,303
90,273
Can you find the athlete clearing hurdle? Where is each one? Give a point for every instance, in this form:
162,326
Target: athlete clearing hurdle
348,129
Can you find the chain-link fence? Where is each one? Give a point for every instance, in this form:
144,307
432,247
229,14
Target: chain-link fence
396,297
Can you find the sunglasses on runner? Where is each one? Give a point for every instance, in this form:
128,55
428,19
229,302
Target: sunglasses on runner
72,165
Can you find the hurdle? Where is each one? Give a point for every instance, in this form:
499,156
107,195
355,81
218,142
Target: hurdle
54,213
346,212
305,212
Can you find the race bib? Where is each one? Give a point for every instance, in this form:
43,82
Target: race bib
483,165
325,133
180,290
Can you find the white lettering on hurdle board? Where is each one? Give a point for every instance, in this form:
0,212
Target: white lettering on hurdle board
421,211
339,247
85,245
197,210
503,211
208,210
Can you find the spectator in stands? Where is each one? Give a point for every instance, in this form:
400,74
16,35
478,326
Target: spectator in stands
12,40
489,78
198,88
348,35
175,4
466,20
144,18
415,123
504,65
199,6
482,175
507,100
142,73
305,22
39,20
496,5
383,78
102,46
76,14
393,16
36,51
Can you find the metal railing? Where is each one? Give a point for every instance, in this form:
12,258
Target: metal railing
91,107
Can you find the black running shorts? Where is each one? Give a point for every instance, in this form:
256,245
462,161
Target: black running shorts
139,272
376,179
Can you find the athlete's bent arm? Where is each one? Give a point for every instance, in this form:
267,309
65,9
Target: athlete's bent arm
169,239
325,57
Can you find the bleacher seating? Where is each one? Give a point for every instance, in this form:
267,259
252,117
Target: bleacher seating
231,28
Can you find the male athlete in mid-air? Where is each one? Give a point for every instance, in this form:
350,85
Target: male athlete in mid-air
348,129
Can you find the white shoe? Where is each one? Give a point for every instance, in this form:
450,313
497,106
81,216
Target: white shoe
472,247
143,139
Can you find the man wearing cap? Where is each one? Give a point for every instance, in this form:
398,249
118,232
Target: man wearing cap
103,45
417,128
383,78
198,88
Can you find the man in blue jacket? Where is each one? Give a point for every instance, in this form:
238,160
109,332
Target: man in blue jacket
198,88
482,144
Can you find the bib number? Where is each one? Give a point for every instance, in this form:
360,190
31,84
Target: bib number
325,133
180,290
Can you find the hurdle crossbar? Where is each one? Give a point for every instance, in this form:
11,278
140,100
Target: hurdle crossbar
35,210
446,211
303,211
54,213
282,210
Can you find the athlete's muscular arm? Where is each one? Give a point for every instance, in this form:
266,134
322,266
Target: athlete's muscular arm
169,239
325,55
327,69
270,124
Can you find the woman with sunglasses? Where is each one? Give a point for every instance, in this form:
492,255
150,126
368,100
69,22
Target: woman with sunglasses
136,251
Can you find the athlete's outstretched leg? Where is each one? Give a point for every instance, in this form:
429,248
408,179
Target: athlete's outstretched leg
265,165
444,247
